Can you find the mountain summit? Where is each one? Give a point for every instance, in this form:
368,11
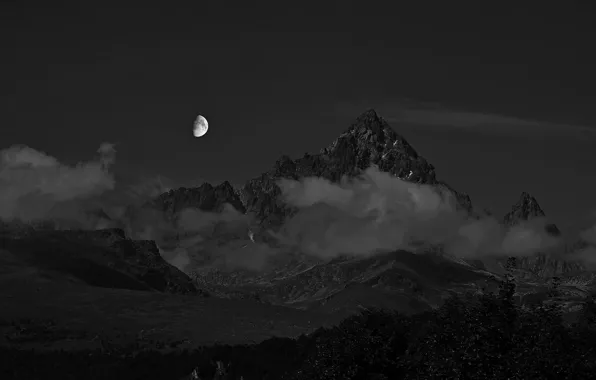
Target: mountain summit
527,208
369,140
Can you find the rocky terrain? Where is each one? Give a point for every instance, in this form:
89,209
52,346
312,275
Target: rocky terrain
205,197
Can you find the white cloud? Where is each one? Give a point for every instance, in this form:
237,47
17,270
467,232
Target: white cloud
589,235
32,183
377,212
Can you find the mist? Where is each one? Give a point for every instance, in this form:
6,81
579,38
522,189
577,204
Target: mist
35,185
376,212
587,253
207,239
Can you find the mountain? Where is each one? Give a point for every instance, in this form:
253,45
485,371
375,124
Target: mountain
205,198
527,208
542,264
160,215
108,264
101,258
294,279
401,279
369,140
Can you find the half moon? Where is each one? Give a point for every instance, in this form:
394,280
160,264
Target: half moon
201,126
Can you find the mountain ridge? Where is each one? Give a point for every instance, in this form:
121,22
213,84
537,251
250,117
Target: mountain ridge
369,140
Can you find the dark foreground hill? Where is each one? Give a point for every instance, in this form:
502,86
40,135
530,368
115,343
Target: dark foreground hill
99,282
103,258
484,336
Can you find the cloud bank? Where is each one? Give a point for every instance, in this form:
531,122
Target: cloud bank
211,239
33,184
589,235
587,253
377,212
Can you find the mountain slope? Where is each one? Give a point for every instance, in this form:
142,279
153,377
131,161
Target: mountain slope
102,258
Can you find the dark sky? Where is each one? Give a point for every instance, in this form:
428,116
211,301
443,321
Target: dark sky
288,77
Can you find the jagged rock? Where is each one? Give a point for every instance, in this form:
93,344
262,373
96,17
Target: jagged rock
547,266
205,198
527,208
369,140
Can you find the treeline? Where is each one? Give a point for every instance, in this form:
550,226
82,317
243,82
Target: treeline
481,336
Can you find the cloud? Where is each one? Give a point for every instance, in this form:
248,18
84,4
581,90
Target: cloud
204,238
406,112
489,123
32,183
150,187
589,235
587,253
195,220
35,186
527,237
377,212
369,214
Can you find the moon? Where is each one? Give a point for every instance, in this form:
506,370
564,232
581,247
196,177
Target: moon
200,127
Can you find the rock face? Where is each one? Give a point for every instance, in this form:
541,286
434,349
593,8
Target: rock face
527,208
205,198
103,258
369,140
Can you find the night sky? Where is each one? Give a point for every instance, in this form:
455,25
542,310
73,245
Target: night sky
289,77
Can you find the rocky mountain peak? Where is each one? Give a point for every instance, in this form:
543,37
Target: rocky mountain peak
369,140
370,120
527,208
